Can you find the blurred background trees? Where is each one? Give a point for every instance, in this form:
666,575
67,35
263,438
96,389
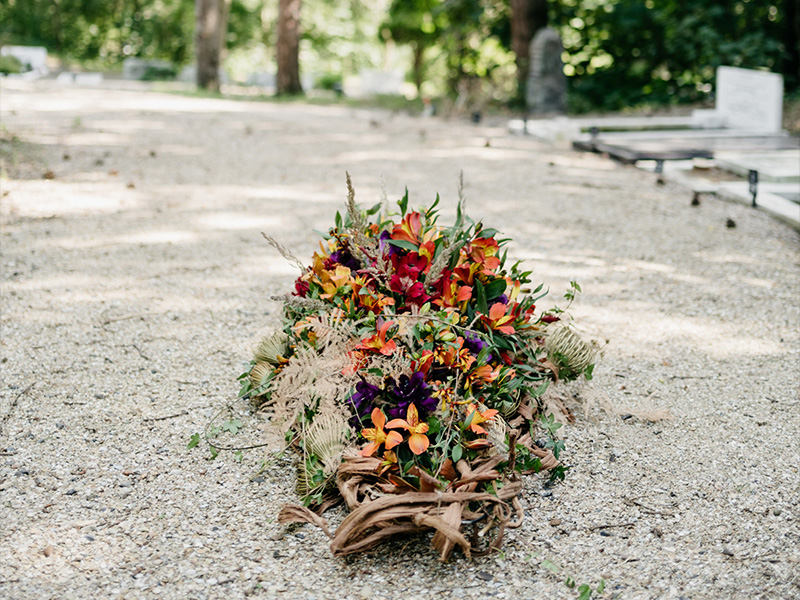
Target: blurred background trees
618,53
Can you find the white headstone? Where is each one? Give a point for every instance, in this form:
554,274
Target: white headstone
381,82
33,58
748,99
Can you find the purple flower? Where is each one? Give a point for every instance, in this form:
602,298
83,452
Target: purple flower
343,257
475,344
363,401
383,245
408,390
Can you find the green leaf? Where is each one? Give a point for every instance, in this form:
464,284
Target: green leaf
495,289
374,209
456,453
233,426
403,203
431,212
434,426
550,566
238,456
193,441
588,371
404,244
585,592
214,452
480,294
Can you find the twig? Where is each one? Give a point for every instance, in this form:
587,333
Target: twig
610,525
647,509
180,414
126,317
14,404
135,347
7,453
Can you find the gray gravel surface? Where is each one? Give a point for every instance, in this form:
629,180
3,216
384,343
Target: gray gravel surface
135,283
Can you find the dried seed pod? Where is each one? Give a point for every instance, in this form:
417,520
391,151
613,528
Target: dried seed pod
258,372
565,346
272,348
326,439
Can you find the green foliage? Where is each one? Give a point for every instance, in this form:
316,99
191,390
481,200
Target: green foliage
10,64
105,32
623,53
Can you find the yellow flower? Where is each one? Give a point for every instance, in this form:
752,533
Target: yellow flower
378,436
418,441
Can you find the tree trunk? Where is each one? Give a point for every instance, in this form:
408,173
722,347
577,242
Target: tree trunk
211,25
527,17
418,68
288,47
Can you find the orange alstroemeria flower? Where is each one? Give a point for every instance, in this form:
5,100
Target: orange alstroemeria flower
479,417
498,319
377,436
483,374
418,442
408,229
378,341
483,251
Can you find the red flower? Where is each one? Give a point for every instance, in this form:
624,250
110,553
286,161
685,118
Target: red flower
405,281
378,341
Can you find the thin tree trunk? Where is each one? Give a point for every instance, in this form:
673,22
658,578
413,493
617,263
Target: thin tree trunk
418,68
288,47
527,17
211,24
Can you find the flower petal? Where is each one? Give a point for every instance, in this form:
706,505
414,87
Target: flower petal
418,443
378,418
393,438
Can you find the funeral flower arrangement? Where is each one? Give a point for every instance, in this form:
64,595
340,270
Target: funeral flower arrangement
410,373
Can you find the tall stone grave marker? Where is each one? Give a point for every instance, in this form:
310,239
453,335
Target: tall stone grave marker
546,91
748,99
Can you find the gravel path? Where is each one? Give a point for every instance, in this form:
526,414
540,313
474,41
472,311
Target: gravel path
135,282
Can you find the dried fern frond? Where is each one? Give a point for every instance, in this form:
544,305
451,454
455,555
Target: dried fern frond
314,377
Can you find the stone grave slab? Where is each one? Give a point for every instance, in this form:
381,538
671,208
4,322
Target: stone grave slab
778,166
771,198
681,145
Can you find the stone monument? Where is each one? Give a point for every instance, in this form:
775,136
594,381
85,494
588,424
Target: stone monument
546,91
